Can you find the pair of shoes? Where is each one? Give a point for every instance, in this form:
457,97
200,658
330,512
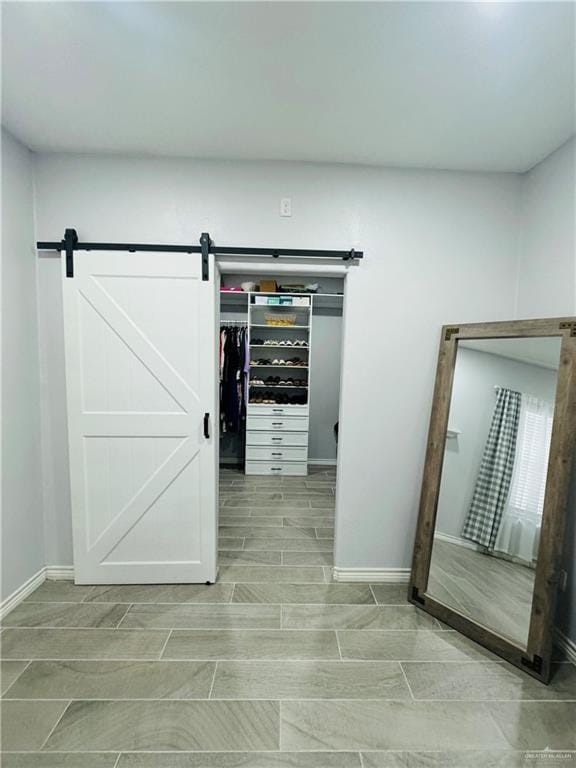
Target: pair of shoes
257,342
256,381
300,343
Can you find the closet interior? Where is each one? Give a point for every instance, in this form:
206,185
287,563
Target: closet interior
280,349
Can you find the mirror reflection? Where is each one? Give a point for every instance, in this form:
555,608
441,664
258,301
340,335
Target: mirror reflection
493,482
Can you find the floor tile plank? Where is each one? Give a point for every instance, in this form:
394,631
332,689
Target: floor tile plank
309,680
242,760
398,645
270,574
114,680
71,615
237,557
255,532
535,725
59,592
166,725
383,617
390,594
486,681
27,724
251,644
289,545
466,759
319,594
161,593
387,725
307,558
82,643
147,616
59,760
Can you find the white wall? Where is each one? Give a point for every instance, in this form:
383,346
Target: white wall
547,287
471,409
547,267
22,514
439,247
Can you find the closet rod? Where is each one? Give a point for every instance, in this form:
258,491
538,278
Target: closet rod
70,243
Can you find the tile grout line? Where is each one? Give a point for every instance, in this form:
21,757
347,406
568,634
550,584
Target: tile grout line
213,680
3,696
117,763
373,594
280,725
58,721
119,625
338,644
85,598
165,644
406,680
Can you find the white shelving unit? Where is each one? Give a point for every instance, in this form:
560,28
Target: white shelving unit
277,432
278,409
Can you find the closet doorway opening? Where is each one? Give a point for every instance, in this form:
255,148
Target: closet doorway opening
280,362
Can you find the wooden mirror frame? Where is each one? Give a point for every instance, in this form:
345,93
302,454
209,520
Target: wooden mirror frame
536,657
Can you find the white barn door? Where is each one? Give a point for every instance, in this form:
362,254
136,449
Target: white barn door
140,332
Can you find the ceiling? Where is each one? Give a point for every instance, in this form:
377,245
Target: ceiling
464,85
543,351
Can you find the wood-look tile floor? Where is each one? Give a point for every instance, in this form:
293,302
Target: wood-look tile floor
274,666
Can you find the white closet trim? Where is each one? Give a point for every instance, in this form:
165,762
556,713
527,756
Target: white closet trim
264,266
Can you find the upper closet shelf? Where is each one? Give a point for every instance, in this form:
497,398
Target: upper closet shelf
319,300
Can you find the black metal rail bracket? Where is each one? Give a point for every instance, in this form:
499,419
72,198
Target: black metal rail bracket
70,243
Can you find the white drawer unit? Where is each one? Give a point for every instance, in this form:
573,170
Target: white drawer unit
276,424
276,468
276,453
280,371
277,410
254,437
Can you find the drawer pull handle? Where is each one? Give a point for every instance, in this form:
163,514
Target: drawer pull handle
277,454
277,410
277,439
276,469
276,423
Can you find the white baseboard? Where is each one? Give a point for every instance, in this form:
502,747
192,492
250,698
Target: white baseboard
322,462
565,644
447,537
22,592
60,572
52,572
373,575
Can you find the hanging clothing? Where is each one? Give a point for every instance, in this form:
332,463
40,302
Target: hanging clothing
233,357
483,520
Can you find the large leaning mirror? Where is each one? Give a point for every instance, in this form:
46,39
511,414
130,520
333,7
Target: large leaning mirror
499,457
